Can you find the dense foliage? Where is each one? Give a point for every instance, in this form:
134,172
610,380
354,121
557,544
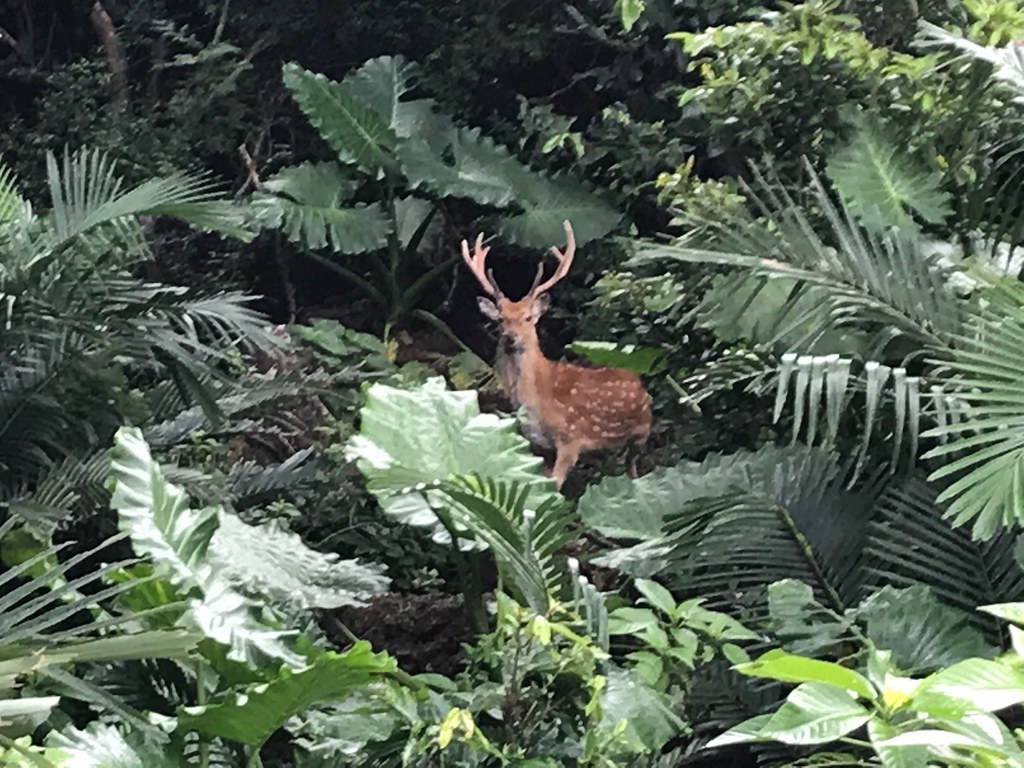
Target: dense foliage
264,503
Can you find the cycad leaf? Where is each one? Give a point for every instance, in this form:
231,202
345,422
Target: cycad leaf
988,464
252,716
910,542
311,205
879,182
419,437
352,128
163,526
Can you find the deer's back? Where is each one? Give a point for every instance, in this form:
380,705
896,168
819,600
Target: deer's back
595,407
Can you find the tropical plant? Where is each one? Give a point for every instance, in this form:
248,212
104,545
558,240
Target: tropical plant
948,716
81,331
397,161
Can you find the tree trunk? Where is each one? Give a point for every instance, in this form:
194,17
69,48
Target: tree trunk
118,65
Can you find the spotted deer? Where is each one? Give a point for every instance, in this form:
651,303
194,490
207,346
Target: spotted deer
572,409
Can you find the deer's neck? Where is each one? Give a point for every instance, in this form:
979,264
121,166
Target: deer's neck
525,373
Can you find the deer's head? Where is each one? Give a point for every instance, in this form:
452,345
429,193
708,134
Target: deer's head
517,319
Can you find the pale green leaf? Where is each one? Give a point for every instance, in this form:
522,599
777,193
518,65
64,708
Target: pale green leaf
815,713
973,684
656,595
164,527
106,746
416,437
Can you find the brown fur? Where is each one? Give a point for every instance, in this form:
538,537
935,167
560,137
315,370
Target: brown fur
576,409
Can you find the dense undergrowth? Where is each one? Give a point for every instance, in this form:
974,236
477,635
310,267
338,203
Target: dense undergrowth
263,501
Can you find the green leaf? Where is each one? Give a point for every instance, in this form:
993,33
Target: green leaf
973,684
630,10
480,170
745,732
895,756
176,537
252,716
802,624
381,84
353,129
547,202
657,596
780,665
1012,612
629,620
650,723
640,360
987,452
105,746
815,713
879,182
310,203
415,437
268,562
923,633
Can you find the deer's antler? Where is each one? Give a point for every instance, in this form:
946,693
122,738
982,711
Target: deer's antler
564,262
476,265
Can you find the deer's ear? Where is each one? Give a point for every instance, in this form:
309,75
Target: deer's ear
539,307
487,308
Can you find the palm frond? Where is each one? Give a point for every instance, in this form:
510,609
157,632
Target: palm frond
10,199
986,469
870,280
86,194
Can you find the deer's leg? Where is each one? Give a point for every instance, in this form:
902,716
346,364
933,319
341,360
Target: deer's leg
564,461
633,450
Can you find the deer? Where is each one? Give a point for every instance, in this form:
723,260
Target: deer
570,408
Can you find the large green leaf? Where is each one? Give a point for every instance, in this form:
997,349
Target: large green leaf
105,746
266,561
880,182
252,716
418,437
546,202
381,84
311,204
480,170
176,537
815,713
922,633
972,684
353,129
649,721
